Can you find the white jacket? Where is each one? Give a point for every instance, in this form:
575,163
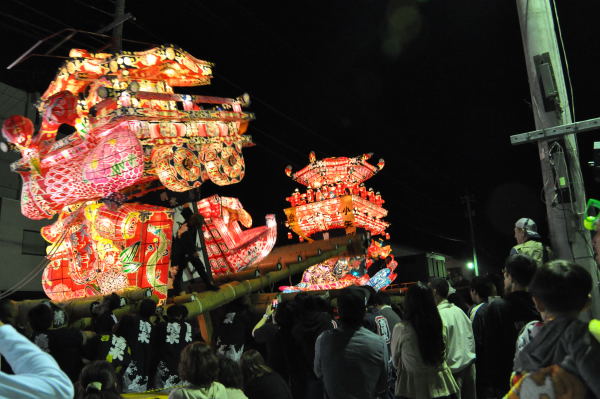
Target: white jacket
37,375
460,349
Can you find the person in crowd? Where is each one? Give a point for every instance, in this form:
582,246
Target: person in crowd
260,381
274,331
312,318
482,291
64,344
138,331
230,375
107,306
351,360
460,348
381,319
419,349
457,298
183,251
560,291
234,331
503,319
529,242
36,373
171,337
107,345
98,380
199,366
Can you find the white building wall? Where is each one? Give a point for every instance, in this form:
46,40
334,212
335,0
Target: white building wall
16,261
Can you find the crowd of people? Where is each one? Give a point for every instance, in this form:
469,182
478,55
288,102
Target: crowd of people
521,338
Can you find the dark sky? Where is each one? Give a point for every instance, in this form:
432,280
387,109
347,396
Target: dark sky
434,87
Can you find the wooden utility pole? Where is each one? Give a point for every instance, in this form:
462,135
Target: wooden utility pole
117,32
467,199
563,183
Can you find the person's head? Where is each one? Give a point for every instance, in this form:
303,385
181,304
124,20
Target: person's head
351,307
284,314
177,313
481,289
111,302
40,317
103,323
98,380
381,299
421,312
127,328
440,288
198,364
253,365
8,311
518,272
230,373
147,308
525,228
561,287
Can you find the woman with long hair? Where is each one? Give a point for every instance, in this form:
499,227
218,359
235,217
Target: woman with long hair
98,380
199,366
260,381
419,349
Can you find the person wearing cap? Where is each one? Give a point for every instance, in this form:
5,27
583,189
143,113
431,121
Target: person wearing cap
529,242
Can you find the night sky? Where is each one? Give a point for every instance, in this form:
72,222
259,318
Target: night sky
434,87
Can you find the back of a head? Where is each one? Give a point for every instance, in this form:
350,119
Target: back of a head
230,373
381,299
112,301
127,328
253,365
561,286
147,308
483,286
520,268
351,307
103,323
284,315
7,311
177,313
98,380
198,364
421,312
441,286
40,317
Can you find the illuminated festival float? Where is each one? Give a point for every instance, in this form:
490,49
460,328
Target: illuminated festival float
336,201
133,135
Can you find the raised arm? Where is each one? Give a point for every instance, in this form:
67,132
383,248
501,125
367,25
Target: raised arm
37,375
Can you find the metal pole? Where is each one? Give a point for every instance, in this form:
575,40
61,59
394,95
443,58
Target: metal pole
551,108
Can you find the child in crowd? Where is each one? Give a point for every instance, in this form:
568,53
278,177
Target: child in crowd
98,380
260,381
230,375
561,290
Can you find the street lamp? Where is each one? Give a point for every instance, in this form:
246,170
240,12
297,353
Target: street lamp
470,265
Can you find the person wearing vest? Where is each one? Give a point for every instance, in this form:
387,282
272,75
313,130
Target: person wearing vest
529,242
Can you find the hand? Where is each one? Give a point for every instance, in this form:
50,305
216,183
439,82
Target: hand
269,310
182,229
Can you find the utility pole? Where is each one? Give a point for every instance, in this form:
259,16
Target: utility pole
468,199
562,180
117,32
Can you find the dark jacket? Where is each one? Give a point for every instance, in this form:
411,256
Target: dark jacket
502,321
567,342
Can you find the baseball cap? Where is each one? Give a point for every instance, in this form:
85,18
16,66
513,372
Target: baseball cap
529,226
